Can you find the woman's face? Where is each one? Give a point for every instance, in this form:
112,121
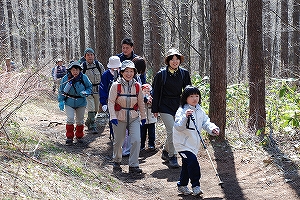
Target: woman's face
128,74
75,71
193,99
174,62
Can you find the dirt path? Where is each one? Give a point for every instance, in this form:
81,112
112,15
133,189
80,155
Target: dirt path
246,173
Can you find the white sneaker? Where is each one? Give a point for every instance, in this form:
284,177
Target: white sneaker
184,190
197,190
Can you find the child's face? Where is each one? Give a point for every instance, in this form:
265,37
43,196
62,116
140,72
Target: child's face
146,91
193,99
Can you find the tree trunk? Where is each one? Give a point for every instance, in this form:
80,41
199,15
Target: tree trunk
91,23
10,26
137,27
295,39
185,36
103,36
156,41
284,37
118,26
217,107
81,26
257,114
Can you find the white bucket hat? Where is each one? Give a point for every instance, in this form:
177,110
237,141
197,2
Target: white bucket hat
114,62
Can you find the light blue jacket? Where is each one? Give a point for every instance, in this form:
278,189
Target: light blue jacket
185,136
73,97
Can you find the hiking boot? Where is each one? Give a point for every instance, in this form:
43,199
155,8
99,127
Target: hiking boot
135,170
197,190
69,142
151,148
116,166
79,140
173,162
184,190
165,156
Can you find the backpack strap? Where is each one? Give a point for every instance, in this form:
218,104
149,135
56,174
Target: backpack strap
84,66
135,107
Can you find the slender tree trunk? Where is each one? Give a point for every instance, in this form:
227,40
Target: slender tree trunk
91,23
267,40
185,28
257,114
81,26
284,37
103,36
156,41
295,38
217,107
10,26
118,26
137,26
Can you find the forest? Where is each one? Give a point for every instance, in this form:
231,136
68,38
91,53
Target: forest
243,55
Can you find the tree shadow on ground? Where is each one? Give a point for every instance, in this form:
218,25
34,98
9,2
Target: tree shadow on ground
226,170
284,164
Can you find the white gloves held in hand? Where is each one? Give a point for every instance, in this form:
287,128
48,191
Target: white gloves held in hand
104,108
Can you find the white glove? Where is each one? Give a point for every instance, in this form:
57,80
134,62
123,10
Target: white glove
104,108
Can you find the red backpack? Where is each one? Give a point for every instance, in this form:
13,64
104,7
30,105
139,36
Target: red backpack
135,107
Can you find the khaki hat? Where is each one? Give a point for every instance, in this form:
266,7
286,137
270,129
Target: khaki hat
114,62
128,64
173,52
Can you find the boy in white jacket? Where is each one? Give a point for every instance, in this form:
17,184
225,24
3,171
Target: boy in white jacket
186,139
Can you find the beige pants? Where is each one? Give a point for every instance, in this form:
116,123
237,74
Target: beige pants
135,141
92,103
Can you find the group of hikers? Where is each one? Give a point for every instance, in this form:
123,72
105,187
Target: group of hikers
133,106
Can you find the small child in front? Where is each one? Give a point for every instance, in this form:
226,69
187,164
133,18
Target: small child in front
150,119
186,139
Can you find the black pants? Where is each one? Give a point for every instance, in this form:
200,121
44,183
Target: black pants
150,128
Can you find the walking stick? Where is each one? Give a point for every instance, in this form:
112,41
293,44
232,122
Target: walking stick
204,146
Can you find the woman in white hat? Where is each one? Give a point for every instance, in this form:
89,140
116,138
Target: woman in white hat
168,85
110,75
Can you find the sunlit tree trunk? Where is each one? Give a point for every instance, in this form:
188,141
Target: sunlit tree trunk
137,26
217,106
103,36
257,114
91,23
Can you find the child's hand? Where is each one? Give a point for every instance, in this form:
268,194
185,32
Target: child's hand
215,131
188,112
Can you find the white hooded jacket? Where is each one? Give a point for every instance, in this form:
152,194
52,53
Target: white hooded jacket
185,136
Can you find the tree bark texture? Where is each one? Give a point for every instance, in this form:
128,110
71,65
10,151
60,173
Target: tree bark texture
257,113
217,108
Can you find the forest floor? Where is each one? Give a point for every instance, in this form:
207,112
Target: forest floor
84,171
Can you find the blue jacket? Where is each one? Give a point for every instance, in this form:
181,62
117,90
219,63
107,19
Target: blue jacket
106,78
73,98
